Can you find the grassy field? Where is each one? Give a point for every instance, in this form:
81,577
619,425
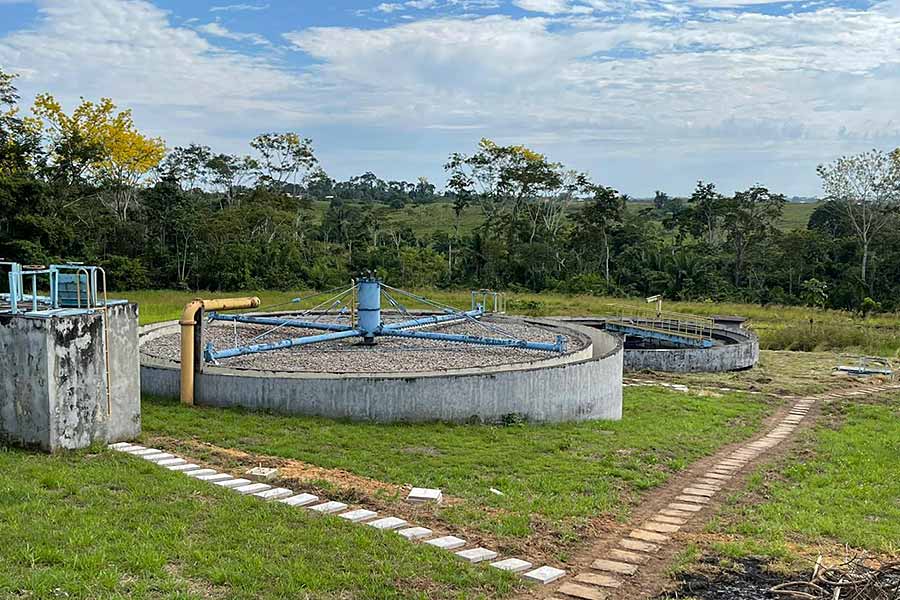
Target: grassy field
555,478
839,487
779,327
104,525
427,219
795,215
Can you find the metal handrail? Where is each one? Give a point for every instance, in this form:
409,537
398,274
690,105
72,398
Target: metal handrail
668,320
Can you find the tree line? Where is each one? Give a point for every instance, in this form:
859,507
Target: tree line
88,186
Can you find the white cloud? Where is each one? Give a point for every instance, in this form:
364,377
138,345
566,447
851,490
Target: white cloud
181,86
216,29
792,87
238,7
550,7
654,97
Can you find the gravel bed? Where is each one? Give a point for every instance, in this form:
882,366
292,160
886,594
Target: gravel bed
390,354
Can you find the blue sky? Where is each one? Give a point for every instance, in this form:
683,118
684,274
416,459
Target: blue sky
642,94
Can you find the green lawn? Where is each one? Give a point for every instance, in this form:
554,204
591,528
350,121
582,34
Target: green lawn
106,525
554,477
840,487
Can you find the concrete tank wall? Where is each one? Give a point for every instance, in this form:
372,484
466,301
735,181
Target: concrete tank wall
53,379
738,349
586,385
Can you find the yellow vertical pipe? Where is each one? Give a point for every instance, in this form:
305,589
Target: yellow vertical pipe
188,321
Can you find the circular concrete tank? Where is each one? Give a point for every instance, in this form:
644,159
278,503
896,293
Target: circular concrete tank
583,384
735,349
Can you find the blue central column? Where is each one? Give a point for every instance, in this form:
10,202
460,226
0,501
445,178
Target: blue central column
369,308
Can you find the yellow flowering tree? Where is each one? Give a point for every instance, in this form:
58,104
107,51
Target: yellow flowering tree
504,178
111,152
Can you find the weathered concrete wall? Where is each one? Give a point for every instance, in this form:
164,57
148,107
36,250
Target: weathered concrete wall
53,379
736,349
25,381
584,386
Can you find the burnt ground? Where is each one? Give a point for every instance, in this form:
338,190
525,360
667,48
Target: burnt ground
752,579
745,579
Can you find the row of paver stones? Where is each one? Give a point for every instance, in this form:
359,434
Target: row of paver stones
608,573
545,574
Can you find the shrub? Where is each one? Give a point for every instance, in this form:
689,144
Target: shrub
124,273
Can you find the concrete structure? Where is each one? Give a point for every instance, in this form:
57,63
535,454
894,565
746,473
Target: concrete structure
735,349
53,378
582,385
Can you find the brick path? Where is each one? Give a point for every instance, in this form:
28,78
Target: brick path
630,552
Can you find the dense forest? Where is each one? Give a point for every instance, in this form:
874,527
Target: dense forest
89,186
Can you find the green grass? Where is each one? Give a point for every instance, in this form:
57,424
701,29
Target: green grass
779,327
795,215
105,525
554,477
840,487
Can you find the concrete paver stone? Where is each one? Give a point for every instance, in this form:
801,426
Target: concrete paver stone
545,574
275,494
414,533
251,488
329,507
582,592
477,555
299,500
388,523
232,483
358,515
613,566
447,542
512,565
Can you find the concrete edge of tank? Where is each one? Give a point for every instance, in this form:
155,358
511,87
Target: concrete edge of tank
741,353
583,385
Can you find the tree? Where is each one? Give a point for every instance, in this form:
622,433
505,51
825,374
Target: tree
284,156
10,122
112,151
748,218
595,221
229,174
867,188
704,220
814,292
189,166
502,178
17,141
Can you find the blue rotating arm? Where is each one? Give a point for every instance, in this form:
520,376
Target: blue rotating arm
211,354
559,346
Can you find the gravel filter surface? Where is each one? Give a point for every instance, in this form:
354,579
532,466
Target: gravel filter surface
390,354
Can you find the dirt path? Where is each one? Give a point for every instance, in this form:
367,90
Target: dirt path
632,562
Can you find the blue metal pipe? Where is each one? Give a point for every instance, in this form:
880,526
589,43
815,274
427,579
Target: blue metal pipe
434,319
558,346
280,322
369,308
211,354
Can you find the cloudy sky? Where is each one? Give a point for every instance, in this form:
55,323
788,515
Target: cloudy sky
643,94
